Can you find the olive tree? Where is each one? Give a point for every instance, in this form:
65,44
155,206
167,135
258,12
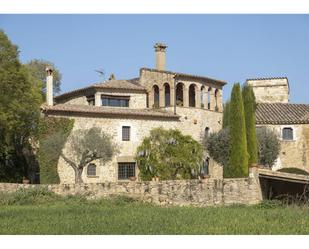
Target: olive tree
83,147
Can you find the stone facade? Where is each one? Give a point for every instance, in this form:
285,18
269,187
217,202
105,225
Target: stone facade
206,192
294,153
270,90
190,123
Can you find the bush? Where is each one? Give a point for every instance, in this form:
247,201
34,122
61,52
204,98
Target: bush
268,146
218,146
169,154
28,197
294,171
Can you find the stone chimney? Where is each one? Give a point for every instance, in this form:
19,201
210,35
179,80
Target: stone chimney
160,55
49,86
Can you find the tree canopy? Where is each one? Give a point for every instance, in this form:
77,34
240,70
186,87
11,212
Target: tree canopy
249,107
169,154
37,69
20,99
238,161
85,146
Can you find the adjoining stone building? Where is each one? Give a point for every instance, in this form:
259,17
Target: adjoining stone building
289,121
129,109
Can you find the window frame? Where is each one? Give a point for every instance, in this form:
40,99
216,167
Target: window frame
126,170
95,168
287,138
128,137
111,98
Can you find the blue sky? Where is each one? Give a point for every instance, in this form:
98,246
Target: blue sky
227,47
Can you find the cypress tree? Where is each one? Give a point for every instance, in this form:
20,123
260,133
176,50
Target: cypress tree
226,112
249,107
238,161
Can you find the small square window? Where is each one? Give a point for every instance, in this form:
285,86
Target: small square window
287,133
126,133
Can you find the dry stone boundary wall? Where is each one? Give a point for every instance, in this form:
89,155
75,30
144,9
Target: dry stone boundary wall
206,192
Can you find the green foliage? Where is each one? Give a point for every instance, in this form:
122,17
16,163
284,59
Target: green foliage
226,117
249,108
37,69
268,146
85,146
49,129
294,171
238,161
218,146
20,100
169,154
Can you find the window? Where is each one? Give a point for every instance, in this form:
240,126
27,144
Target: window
126,170
90,100
287,133
115,101
91,170
207,132
126,133
205,167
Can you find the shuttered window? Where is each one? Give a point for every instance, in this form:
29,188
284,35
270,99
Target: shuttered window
92,169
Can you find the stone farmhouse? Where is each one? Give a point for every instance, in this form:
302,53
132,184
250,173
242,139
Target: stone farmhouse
289,121
129,109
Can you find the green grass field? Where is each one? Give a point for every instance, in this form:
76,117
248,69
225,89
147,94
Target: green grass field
38,213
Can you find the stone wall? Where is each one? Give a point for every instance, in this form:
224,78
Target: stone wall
293,153
206,192
273,90
192,122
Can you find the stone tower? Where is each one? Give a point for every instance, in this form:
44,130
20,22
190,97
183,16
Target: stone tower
270,90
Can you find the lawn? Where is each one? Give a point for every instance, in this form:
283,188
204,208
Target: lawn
49,214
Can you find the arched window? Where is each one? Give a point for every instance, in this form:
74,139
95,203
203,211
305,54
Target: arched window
156,96
192,95
203,97
216,99
208,97
91,169
167,94
179,94
287,133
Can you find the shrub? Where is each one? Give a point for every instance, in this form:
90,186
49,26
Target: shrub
218,146
294,171
268,146
169,154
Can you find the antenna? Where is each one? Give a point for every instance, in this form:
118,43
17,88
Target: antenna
101,74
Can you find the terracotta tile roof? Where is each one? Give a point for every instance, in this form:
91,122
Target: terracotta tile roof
282,113
131,84
106,111
221,82
270,78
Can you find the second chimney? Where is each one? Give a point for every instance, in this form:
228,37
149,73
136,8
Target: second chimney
160,55
49,86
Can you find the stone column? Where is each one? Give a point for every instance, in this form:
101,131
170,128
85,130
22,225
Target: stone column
219,100
97,99
172,96
212,99
198,97
205,97
151,98
161,97
185,96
